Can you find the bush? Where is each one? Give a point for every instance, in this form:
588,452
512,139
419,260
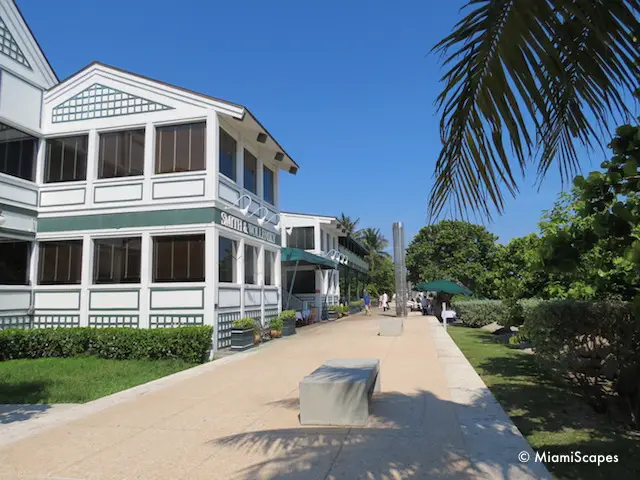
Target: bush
478,313
344,309
248,322
191,344
357,303
597,343
335,308
288,315
276,324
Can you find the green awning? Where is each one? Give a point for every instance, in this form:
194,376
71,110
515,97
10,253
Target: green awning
293,255
445,286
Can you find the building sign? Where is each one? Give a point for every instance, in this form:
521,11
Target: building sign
239,225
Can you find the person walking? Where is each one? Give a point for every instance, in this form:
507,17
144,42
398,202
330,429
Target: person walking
367,304
385,302
425,305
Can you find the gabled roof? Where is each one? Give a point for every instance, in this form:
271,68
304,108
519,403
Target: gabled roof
234,110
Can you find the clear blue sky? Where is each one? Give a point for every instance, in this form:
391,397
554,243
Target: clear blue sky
346,87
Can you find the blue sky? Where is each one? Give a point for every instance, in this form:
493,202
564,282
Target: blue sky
346,87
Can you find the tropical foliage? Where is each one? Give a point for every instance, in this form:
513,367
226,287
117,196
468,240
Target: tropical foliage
528,78
349,225
376,245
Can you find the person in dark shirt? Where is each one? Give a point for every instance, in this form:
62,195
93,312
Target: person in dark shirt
367,303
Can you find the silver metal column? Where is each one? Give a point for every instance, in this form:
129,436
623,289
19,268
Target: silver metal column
400,269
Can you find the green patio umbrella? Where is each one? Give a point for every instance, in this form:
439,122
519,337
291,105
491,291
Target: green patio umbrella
445,286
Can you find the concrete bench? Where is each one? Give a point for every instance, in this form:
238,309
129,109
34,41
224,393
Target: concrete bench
338,393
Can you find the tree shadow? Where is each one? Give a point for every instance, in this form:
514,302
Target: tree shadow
407,435
20,401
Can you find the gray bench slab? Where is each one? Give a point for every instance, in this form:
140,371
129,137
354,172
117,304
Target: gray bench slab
338,393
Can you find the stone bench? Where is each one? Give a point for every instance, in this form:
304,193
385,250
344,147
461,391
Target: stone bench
338,393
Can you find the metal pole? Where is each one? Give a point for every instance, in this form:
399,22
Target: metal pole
293,279
400,269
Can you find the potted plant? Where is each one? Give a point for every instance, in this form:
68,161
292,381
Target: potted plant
335,312
242,334
345,310
288,318
276,326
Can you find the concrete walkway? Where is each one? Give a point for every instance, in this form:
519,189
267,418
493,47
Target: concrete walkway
237,418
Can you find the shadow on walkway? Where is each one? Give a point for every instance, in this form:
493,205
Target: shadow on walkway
407,436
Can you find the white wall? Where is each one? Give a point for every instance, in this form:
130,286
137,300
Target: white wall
20,102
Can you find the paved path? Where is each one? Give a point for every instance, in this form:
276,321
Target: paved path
239,419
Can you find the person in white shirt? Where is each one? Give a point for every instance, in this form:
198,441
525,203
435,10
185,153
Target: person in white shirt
385,302
425,305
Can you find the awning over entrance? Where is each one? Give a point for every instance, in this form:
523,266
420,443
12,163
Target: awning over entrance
298,256
445,286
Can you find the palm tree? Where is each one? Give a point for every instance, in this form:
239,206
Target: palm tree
529,80
348,224
375,243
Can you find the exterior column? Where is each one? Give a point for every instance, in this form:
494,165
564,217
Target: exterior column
277,271
212,154
209,277
85,281
92,163
146,270
240,270
149,164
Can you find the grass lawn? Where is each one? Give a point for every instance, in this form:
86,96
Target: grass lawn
548,411
76,380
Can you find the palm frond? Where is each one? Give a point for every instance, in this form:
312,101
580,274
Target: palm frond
528,81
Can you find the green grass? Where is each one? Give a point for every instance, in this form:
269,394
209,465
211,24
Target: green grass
76,380
549,412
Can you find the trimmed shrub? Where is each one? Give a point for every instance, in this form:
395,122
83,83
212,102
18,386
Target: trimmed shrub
478,313
596,343
288,315
248,322
191,344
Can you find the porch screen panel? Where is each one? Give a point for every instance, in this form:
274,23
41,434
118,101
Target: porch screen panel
178,258
60,263
121,154
180,148
66,159
14,263
116,260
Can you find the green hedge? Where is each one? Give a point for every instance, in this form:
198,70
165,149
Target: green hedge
191,344
477,313
596,343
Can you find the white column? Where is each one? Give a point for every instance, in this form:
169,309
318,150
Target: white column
240,162
149,161
260,279
40,162
212,155
278,277
93,146
318,296
146,270
212,277
259,177
276,188
209,276
317,236
85,282
240,270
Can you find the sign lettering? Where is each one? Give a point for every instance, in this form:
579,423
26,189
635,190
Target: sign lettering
242,226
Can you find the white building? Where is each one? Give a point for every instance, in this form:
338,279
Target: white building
317,258
126,201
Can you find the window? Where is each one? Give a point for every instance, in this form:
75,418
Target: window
305,281
17,152
180,148
250,172
178,259
60,263
267,181
250,265
116,260
14,263
227,255
302,237
227,159
121,154
66,159
269,262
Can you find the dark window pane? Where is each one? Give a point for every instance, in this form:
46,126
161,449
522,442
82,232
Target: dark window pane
179,258
13,158
66,159
305,281
17,152
249,265
267,180
121,154
250,172
14,263
268,267
60,263
117,260
27,159
302,237
227,260
227,159
180,148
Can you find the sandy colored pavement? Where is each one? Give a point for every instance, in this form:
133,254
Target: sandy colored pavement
240,419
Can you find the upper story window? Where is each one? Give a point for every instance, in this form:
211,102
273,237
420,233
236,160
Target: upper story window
117,260
180,148
269,185
121,154
250,172
228,146
66,159
60,263
17,152
302,237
